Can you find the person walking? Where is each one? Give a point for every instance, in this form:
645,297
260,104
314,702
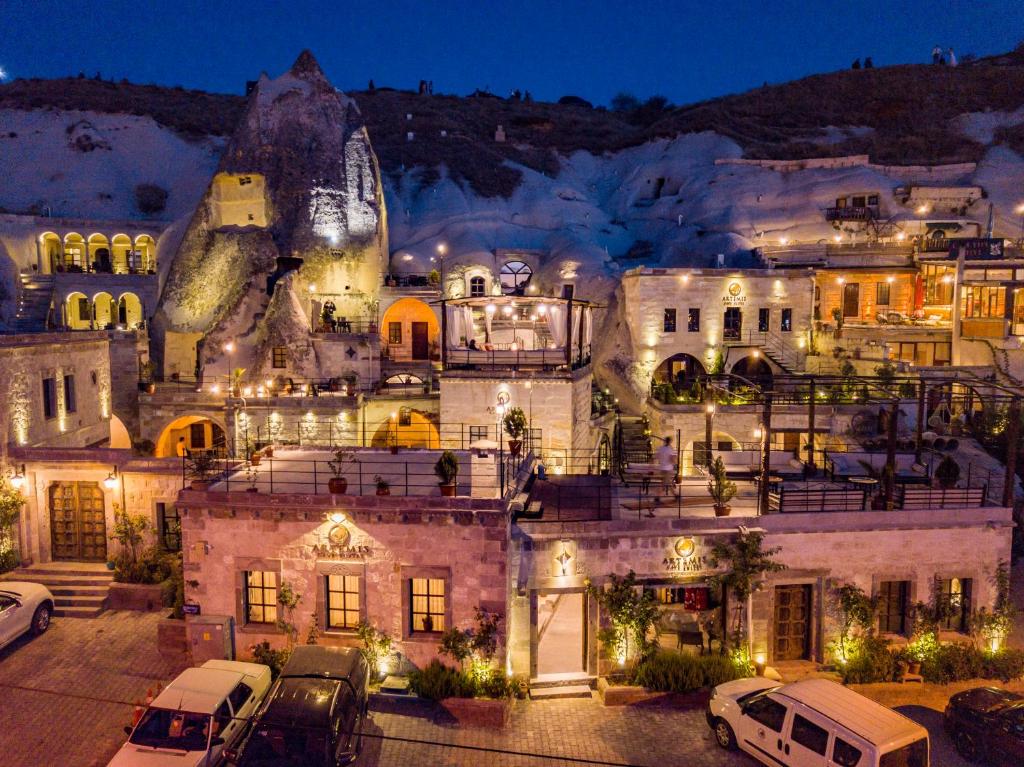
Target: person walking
952,58
936,55
666,459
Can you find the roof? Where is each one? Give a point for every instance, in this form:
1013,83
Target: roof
301,701
199,690
872,721
323,662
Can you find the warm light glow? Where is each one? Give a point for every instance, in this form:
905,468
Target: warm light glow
18,481
490,308
247,391
337,517
394,416
684,278
1020,209
215,389
229,347
755,354
111,481
759,659
515,347
800,342
948,278
901,236
838,238
758,432
710,408
890,279
542,309
312,288
507,311
922,209
783,241
840,280
441,249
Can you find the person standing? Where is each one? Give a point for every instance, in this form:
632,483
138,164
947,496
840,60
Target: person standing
868,63
856,64
666,459
936,55
952,58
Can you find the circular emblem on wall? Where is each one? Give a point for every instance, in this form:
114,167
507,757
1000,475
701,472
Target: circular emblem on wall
339,535
685,547
734,289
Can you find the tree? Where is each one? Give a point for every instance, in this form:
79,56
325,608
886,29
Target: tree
856,610
747,562
11,502
624,102
632,612
947,473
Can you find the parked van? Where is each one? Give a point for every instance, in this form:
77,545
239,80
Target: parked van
813,722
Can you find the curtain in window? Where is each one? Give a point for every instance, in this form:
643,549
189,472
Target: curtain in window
556,324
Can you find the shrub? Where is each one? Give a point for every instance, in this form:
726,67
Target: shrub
947,473
669,671
718,669
951,663
1004,665
269,656
868,660
150,198
438,681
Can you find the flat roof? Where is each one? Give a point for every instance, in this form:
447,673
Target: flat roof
198,690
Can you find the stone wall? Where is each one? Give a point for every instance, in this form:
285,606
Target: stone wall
385,541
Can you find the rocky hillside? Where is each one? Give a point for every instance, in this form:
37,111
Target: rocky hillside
898,115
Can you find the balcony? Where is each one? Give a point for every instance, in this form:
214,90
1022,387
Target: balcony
852,213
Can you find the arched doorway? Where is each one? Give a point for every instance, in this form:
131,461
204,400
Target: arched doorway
755,369
129,311
74,253
195,432
142,260
407,428
104,310
99,254
410,330
682,372
119,436
77,312
50,252
120,249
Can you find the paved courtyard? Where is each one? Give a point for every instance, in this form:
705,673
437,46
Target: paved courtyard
62,701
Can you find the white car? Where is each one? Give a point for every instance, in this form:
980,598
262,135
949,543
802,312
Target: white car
197,716
23,607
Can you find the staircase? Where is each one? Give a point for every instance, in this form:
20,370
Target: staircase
79,588
636,446
35,294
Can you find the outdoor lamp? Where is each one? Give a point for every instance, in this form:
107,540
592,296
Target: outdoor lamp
111,481
337,517
229,347
490,308
18,478
711,407
542,309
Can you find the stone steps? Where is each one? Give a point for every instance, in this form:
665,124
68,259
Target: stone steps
561,691
79,589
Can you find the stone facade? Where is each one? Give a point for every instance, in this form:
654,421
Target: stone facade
384,541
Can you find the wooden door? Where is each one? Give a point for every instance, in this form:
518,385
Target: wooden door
792,622
78,526
851,300
420,344
733,323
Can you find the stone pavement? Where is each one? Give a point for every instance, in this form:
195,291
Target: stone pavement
112,657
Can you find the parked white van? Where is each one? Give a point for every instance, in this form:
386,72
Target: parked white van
813,722
197,716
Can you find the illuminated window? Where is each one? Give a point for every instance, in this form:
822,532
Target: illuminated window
343,602
394,332
670,321
427,604
786,325
477,432
279,357
693,321
938,285
477,287
983,301
882,293
515,275
260,596
955,602
763,320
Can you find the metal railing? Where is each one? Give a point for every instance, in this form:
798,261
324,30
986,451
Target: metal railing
344,325
411,280
515,359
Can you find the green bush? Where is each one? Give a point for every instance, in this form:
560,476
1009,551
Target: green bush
952,663
438,681
869,660
1004,665
153,566
669,671
269,656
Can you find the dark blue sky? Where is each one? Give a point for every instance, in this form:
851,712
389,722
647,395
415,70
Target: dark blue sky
684,50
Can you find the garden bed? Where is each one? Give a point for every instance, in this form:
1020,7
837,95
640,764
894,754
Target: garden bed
491,713
634,695
141,597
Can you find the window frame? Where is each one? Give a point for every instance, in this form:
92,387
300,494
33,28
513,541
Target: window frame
50,398
764,320
846,744
477,282
358,592
170,539
786,321
958,615
70,395
668,322
477,432
886,615
767,699
812,729
279,357
514,269
693,319
248,604
883,289
407,575
395,333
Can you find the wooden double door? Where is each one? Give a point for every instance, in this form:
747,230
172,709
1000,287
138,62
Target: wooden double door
793,619
78,523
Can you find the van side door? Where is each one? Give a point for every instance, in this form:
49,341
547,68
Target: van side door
760,727
807,741
242,705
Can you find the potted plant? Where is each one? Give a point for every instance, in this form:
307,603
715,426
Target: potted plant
202,466
146,370
837,315
447,470
252,476
253,453
236,381
720,488
515,426
268,451
383,488
338,484
947,473
434,278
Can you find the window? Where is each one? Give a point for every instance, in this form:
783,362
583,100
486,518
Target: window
911,755
477,287
768,712
690,597
892,606
279,357
763,320
983,301
872,199
343,602
221,717
260,596
670,321
938,285
693,321
70,403
477,432
49,397
168,525
809,735
844,754
955,601
197,436
515,275
239,696
427,605
568,290
882,293
84,312
787,321
394,332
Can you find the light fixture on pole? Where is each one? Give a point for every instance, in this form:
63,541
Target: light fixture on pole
229,349
17,478
442,250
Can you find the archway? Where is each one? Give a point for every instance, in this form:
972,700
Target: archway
50,252
515,276
120,250
143,259
99,254
77,312
405,382
129,311
74,253
410,330
104,310
119,436
199,432
407,428
755,369
681,372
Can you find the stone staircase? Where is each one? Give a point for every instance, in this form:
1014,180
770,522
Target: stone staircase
79,589
571,686
636,445
35,294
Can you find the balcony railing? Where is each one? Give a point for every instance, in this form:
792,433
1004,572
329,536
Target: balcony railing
414,280
344,325
515,359
851,213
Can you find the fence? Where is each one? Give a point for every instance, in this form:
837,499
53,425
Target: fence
515,358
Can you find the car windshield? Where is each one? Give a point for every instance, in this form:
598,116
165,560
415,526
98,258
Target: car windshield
176,730
911,755
283,746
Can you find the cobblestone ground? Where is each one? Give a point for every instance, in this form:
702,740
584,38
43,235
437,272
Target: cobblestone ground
112,657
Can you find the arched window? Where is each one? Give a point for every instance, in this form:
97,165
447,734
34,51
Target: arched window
515,275
477,287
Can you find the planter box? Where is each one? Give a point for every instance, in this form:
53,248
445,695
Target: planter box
143,597
171,640
630,695
479,712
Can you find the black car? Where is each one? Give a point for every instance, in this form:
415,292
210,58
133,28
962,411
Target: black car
314,713
987,724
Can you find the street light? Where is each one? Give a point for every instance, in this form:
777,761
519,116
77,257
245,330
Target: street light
229,349
18,477
111,481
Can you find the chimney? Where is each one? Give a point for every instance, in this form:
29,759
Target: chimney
721,260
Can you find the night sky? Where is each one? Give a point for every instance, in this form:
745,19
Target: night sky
683,50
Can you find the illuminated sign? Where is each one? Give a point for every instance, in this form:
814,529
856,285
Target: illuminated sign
734,295
685,557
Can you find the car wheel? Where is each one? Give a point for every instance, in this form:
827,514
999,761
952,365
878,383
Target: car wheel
966,746
724,735
40,620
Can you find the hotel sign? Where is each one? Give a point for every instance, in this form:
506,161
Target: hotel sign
686,556
734,295
338,545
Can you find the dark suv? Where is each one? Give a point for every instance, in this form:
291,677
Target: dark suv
313,715
987,723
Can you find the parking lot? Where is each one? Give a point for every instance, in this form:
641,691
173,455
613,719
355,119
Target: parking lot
62,701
